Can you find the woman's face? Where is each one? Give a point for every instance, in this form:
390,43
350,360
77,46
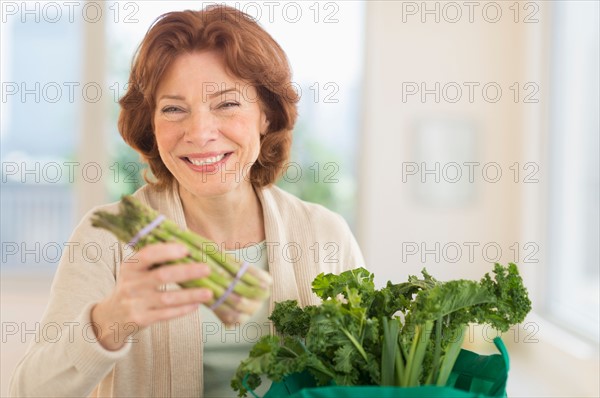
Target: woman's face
207,125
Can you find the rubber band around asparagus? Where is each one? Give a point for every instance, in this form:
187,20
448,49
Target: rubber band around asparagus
146,230
229,290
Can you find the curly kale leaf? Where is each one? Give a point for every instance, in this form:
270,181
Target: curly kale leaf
291,320
276,358
340,324
398,297
330,285
512,302
501,302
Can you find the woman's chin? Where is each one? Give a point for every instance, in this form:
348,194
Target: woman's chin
207,189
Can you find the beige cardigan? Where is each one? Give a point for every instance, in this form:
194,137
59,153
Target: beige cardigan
303,239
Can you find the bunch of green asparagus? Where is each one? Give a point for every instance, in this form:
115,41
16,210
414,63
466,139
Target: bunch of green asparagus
249,292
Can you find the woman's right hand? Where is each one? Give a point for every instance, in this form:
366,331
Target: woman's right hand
136,302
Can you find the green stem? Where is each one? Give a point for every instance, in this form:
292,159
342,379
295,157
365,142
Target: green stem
357,345
417,353
400,368
450,356
410,358
389,351
438,349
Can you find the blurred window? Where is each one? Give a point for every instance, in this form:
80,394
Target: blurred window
573,294
41,99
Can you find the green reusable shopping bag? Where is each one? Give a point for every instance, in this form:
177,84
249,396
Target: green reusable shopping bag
473,376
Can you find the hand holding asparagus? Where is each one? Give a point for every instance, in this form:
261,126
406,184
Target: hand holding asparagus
238,289
137,302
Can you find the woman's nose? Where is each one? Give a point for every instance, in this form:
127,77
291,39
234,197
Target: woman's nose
201,128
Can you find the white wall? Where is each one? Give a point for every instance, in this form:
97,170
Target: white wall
391,213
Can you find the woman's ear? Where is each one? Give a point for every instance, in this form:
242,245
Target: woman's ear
264,124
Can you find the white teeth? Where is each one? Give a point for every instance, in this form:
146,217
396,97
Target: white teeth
202,162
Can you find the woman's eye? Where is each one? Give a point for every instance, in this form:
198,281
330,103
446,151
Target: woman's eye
229,104
173,113
171,109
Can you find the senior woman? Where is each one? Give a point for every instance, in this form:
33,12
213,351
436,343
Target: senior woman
211,110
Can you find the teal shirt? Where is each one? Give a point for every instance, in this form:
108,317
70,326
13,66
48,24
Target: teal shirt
225,348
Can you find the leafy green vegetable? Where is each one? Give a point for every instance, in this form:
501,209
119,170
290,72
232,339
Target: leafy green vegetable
405,334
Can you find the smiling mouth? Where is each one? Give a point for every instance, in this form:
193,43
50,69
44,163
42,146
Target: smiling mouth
207,161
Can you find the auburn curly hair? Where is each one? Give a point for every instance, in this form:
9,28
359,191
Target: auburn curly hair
249,53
